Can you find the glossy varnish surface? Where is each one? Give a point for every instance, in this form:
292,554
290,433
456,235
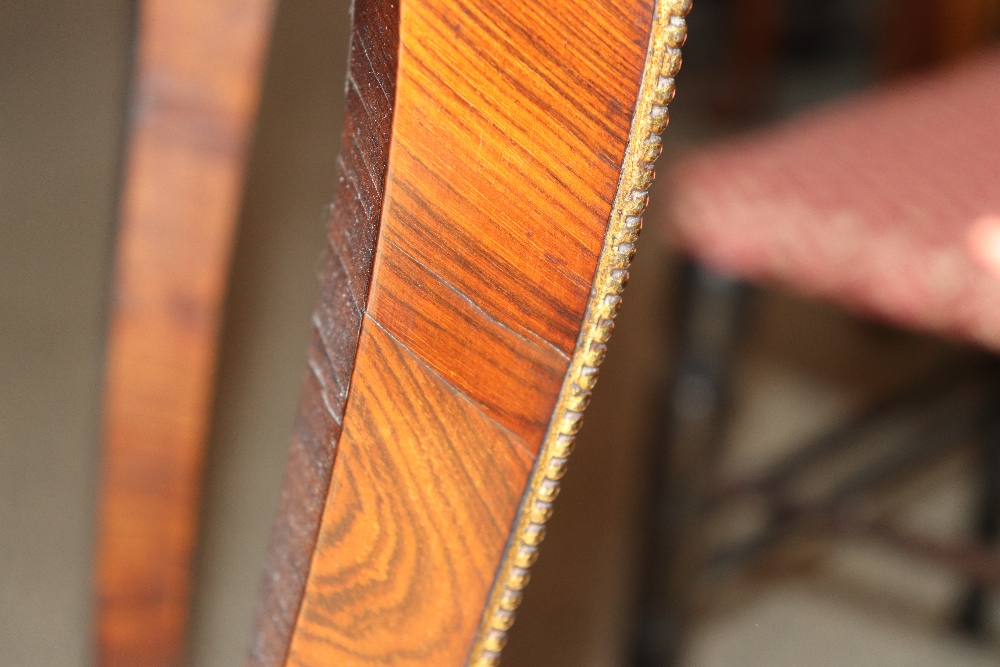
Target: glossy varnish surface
194,98
423,494
510,127
344,281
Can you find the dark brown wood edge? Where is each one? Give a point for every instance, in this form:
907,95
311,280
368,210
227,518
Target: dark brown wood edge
344,282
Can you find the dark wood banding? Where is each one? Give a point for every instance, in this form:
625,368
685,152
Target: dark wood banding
344,283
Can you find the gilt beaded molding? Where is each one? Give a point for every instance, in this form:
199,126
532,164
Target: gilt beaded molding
663,61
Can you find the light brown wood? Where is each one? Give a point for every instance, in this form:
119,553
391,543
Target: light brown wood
423,497
508,142
194,97
344,280
461,342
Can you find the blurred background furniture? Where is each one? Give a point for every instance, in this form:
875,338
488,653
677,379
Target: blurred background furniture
868,204
194,98
909,35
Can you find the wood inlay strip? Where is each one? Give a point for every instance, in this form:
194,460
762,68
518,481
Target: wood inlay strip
344,282
508,139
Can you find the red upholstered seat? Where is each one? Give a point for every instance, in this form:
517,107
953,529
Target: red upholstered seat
868,203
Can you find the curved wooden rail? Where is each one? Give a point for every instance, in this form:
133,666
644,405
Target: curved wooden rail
495,169
195,94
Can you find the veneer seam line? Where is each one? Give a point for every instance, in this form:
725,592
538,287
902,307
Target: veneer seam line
540,342
519,439
668,32
375,244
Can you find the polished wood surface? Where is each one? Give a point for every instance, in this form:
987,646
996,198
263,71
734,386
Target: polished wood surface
194,97
423,496
344,282
461,342
508,136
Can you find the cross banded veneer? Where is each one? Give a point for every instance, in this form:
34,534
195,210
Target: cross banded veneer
495,167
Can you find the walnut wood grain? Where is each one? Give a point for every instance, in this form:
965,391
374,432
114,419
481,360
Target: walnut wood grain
424,492
194,98
512,141
508,134
344,282
462,343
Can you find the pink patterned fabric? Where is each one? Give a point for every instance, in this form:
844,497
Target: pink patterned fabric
869,203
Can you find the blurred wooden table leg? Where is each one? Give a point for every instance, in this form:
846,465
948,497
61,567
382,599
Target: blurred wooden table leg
194,98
